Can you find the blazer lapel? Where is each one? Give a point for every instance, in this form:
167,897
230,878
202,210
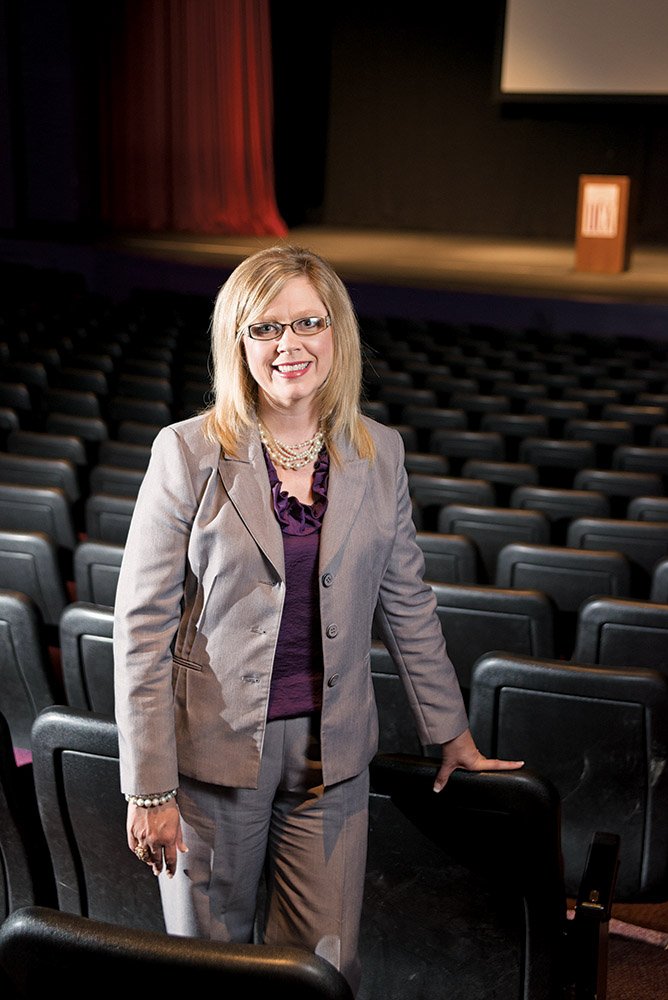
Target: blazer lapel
346,488
246,481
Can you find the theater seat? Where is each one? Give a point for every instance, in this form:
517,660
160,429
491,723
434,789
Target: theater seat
26,876
27,681
596,733
97,566
568,576
642,542
490,528
659,587
75,763
87,656
479,618
464,891
448,558
39,945
619,632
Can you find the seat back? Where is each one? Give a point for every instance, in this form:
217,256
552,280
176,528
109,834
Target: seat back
25,507
648,509
597,734
39,945
448,558
557,459
477,619
38,470
458,445
623,633
463,889
491,528
96,569
30,563
87,658
27,684
568,576
642,542
430,493
117,480
560,505
77,781
108,517
619,486
659,588
26,877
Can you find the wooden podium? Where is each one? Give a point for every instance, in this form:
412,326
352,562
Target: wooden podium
602,241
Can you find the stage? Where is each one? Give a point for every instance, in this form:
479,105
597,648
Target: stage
459,279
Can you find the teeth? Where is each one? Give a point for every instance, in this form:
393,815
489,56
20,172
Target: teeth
293,368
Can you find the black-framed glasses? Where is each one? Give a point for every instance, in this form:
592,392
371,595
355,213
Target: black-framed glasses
305,327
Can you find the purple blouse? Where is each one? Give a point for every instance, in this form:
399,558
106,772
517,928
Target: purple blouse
296,682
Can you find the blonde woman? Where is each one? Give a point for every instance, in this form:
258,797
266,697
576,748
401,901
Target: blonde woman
268,534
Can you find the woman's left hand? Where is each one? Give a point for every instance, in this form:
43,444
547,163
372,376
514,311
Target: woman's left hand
462,752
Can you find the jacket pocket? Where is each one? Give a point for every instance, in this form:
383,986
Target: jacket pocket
180,661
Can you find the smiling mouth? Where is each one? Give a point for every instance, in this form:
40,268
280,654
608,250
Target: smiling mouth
295,367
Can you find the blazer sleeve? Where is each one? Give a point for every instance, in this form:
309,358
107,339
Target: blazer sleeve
409,626
146,616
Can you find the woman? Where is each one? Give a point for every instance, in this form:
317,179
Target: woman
268,534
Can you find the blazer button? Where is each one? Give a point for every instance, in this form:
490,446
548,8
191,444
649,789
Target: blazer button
333,681
332,631
327,580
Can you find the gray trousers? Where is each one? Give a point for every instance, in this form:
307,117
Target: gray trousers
308,842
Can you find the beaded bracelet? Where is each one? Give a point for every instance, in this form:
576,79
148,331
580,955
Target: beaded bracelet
151,799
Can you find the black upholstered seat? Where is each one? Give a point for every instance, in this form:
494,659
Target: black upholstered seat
620,632
568,576
96,568
75,762
659,583
30,563
40,945
38,508
108,516
560,505
643,542
464,890
87,658
479,618
27,679
430,493
556,459
448,558
490,528
26,876
596,733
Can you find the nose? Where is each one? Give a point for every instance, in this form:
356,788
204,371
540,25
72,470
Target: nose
288,341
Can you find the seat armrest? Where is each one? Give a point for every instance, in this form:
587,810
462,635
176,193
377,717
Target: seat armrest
587,932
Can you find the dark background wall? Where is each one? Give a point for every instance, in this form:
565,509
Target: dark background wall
383,119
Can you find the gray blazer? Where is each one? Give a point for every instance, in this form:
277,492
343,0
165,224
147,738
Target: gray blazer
199,603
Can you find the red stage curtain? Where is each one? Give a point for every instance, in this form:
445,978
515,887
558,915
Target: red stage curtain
186,118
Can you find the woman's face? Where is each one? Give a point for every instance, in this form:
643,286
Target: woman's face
289,371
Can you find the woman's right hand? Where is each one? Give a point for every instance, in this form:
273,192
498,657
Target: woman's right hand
154,835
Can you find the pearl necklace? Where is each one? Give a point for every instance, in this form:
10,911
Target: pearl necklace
291,456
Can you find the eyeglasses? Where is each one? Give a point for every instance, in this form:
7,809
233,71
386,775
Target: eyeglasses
306,327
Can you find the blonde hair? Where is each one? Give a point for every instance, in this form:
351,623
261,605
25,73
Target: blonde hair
243,297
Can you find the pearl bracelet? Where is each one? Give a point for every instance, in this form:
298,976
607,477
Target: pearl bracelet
151,799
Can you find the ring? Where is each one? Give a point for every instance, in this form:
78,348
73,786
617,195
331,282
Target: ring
142,853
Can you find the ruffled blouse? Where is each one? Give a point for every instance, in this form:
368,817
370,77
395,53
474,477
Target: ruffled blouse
295,517
296,681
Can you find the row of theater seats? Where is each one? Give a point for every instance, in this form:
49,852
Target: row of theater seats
483,859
